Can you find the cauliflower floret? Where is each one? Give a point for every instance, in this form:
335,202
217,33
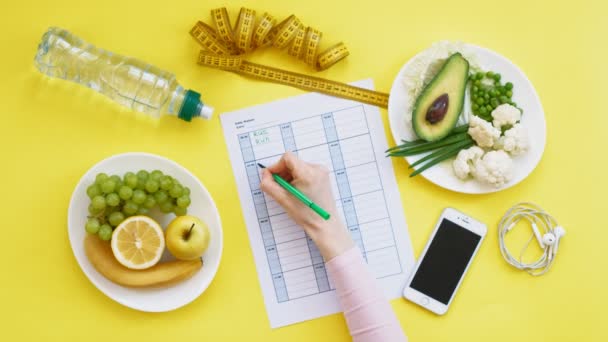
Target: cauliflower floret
484,134
494,168
463,164
504,115
515,141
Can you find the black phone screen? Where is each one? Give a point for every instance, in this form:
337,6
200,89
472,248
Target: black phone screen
445,261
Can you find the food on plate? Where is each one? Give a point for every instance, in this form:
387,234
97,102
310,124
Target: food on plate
92,226
494,168
438,107
484,134
423,68
505,116
515,140
465,161
105,232
410,148
483,129
487,93
113,199
138,242
438,151
162,274
187,237
439,156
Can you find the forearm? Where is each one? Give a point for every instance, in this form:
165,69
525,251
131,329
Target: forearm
368,314
331,237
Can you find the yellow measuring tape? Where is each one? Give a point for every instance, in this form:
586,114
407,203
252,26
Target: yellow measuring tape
223,47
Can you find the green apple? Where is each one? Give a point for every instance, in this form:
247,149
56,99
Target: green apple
187,237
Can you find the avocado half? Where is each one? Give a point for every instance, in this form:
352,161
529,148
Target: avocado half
438,107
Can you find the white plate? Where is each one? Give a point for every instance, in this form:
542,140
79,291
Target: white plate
202,206
524,95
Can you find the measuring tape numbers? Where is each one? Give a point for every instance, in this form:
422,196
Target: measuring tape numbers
224,47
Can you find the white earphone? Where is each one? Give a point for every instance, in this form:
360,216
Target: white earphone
549,241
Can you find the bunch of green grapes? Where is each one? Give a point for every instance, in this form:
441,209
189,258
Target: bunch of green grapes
113,199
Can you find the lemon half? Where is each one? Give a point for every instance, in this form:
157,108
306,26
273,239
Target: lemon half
138,242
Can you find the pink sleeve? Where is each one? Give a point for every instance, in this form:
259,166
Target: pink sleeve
368,314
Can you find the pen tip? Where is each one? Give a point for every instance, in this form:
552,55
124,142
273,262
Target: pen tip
262,166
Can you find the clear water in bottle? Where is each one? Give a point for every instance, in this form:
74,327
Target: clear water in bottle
126,80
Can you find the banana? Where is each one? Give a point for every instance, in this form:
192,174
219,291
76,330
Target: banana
160,275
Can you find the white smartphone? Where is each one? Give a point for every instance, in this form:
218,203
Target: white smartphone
444,261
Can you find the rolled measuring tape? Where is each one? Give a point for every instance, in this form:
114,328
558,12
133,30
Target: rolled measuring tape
223,47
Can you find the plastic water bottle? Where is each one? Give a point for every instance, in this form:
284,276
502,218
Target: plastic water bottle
128,81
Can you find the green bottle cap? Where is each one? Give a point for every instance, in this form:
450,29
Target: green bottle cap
191,106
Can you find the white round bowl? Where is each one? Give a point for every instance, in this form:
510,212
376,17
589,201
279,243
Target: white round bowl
202,206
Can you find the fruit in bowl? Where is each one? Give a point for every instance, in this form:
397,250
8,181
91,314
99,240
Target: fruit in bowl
187,237
138,242
163,274
118,212
114,199
132,258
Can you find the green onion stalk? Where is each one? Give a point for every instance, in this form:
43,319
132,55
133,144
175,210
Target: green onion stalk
438,151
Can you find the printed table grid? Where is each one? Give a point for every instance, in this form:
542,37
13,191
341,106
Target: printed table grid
336,140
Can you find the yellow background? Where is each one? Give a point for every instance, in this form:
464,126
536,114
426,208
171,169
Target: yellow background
51,133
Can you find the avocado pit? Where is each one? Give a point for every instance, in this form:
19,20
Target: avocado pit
438,109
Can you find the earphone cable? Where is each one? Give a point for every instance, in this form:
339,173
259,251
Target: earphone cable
544,224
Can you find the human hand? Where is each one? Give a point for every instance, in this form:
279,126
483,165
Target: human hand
330,236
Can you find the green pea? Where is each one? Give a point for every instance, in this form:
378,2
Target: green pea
497,77
509,93
509,85
494,102
489,108
490,74
477,83
479,75
503,99
486,96
475,106
480,101
474,89
483,111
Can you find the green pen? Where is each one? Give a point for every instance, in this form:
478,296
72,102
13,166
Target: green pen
299,195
